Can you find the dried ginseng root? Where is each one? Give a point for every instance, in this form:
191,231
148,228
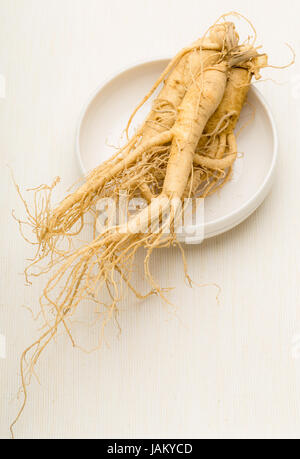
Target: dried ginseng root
185,146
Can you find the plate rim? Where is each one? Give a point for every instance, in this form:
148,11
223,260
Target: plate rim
220,225
100,88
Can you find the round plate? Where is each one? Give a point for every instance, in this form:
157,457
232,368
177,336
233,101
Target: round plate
106,114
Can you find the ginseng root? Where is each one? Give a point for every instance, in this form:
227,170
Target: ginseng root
182,70
217,149
187,140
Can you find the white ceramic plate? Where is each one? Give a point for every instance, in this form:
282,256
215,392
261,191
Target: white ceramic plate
107,111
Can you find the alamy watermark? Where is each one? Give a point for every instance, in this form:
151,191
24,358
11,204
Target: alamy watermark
2,347
2,87
295,349
148,448
295,87
162,216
